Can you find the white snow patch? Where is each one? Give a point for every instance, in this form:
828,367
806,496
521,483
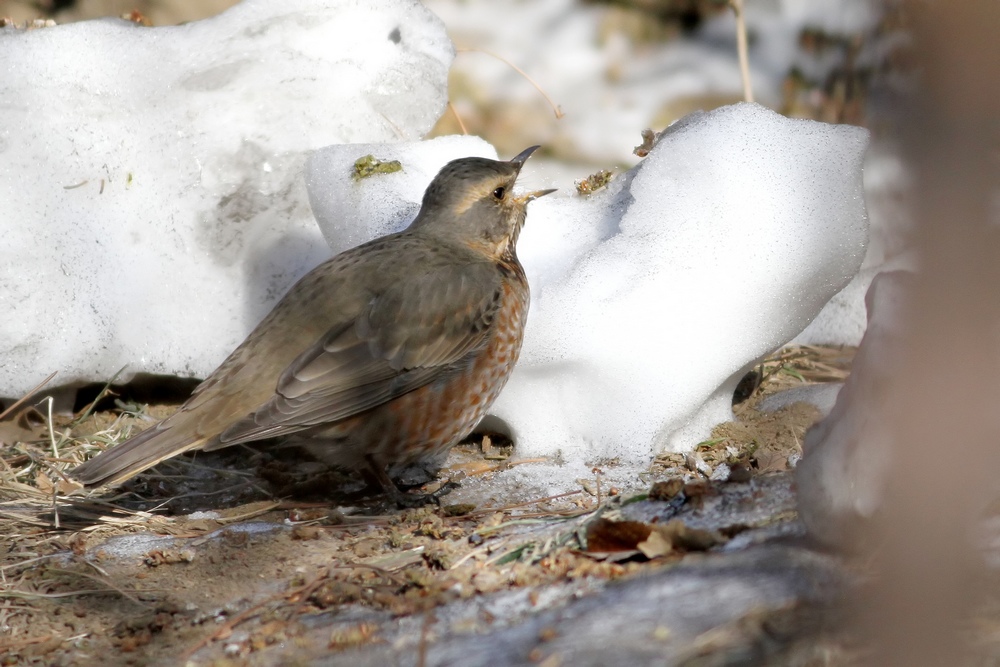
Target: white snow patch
733,233
611,85
651,299
151,178
351,211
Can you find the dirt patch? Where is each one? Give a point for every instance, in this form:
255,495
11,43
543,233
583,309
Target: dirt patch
206,558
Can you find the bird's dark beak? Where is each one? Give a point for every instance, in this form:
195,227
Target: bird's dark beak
536,194
519,159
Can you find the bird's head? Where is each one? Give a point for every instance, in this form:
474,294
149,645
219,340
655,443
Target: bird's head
472,201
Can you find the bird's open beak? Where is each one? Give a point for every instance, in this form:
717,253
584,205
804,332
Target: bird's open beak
519,159
535,195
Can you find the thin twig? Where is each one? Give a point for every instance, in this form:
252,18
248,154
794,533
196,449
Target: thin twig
472,554
249,515
454,112
507,465
16,644
381,571
507,508
13,566
22,595
309,589
555,107
105,582
105,390
741,48
24,398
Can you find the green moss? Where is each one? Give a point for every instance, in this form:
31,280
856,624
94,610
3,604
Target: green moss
594,182
369,165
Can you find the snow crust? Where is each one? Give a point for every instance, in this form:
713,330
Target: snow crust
153,201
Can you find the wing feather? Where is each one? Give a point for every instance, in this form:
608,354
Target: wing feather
415,332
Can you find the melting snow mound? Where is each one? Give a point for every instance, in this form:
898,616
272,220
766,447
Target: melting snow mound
650,300
153,204
731,236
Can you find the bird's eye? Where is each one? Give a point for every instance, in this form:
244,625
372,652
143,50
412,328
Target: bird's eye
499,193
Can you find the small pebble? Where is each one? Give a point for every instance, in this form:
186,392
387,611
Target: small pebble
721,473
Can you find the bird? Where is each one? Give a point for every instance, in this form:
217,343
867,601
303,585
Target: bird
387,353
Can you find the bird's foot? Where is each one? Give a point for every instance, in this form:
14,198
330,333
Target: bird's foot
405,500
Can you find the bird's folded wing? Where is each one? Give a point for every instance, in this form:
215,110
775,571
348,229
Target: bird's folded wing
415,332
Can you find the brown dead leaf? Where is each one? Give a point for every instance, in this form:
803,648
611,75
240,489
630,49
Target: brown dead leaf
666,489
604,535
655,545
43,482
678,536
198,526
769,460
27,425
739,471
62,486
307,532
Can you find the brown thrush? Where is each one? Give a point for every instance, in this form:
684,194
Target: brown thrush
385,354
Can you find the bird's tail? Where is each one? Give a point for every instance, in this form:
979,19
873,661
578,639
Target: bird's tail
136,454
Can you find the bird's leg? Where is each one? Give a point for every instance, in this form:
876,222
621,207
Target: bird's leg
402,499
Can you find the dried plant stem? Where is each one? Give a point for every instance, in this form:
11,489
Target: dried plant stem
458,118
105,390
741,48
555,107
31,393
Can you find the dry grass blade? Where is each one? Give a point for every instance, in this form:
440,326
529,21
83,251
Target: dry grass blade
21,401
809,363
741,48
556,109
458,118
105,390
104,581
507,508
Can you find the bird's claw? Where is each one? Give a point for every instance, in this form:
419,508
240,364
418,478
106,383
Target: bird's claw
405,500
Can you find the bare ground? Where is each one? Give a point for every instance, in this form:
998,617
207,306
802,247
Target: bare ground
244,558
